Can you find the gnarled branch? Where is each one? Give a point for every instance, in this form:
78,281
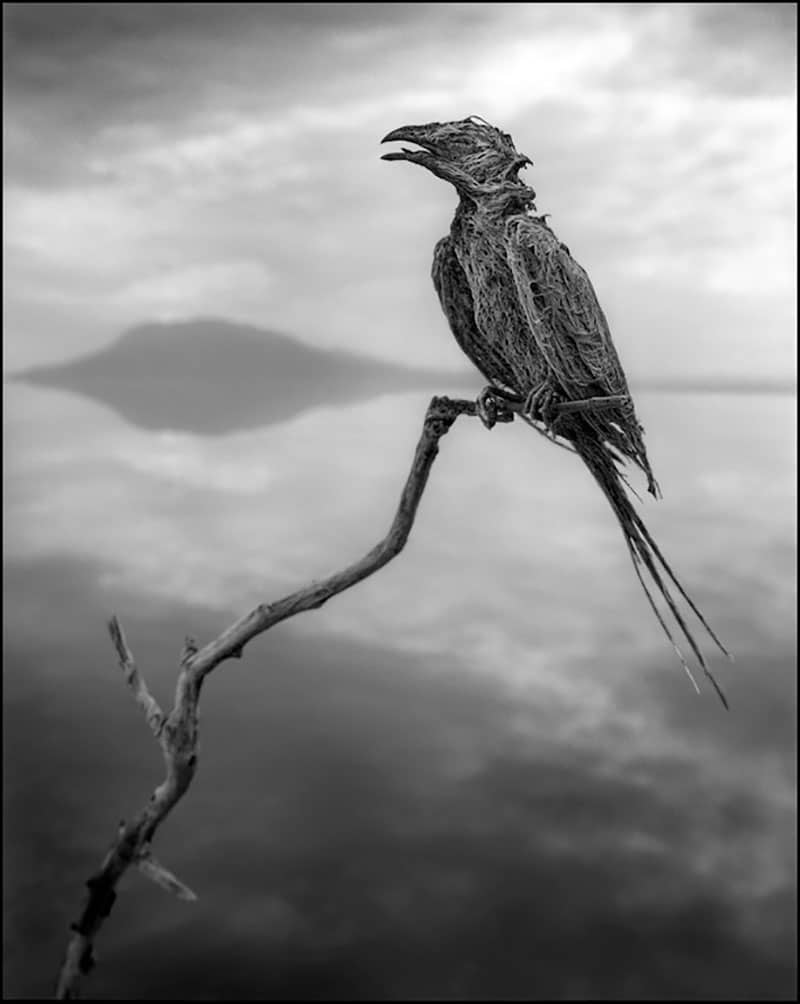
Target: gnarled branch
177,732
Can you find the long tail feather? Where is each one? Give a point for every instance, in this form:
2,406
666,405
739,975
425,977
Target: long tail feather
636,565
665,565
645,554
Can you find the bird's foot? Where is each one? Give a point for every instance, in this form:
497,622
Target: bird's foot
492,406
542,405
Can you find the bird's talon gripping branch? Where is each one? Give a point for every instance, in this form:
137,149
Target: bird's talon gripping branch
492,407
486,406
542,405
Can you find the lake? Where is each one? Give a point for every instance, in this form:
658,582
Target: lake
480,773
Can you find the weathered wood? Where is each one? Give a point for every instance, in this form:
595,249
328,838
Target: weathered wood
152,712
177,732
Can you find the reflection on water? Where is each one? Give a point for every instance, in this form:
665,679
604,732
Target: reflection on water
479,773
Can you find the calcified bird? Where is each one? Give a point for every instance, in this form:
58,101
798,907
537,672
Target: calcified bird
524,311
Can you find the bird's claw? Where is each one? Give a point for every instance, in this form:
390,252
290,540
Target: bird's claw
492,409
541,405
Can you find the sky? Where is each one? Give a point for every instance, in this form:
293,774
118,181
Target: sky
482,771
169,161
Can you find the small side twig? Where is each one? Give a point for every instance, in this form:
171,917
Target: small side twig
153,714
177,736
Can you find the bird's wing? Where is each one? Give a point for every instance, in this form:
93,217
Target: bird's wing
570,330
455,297
562,310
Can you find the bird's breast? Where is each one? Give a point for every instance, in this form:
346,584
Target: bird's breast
484,263
498,314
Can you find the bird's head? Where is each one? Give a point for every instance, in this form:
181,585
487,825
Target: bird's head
467,153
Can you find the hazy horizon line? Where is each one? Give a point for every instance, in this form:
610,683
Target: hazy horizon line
727,383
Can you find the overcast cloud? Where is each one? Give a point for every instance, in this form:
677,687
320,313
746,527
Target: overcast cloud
174,160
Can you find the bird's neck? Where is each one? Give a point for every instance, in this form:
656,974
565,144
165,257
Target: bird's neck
492,207
496,198
464,220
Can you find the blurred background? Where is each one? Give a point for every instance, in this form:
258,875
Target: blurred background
482,772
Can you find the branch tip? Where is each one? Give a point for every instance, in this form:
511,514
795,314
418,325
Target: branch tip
163,877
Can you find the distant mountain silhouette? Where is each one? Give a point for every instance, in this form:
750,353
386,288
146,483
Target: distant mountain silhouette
213,377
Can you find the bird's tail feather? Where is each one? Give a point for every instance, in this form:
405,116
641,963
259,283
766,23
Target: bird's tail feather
645,553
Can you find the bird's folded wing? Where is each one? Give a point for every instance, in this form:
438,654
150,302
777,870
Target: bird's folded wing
455,296
571,331
561,307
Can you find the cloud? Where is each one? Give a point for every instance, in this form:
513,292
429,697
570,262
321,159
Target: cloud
207,149
345,790
502,569
237,290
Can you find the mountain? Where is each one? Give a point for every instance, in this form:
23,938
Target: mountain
213,377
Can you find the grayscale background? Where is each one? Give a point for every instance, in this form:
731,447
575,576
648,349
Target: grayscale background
482,772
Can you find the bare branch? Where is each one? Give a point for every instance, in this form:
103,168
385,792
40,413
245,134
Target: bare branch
441,414
592,403
177,733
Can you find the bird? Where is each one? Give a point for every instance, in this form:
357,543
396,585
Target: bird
526,314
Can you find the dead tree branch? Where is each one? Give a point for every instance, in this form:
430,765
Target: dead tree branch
176,732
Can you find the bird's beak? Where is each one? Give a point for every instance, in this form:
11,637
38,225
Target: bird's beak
433,156
403,133
409,134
